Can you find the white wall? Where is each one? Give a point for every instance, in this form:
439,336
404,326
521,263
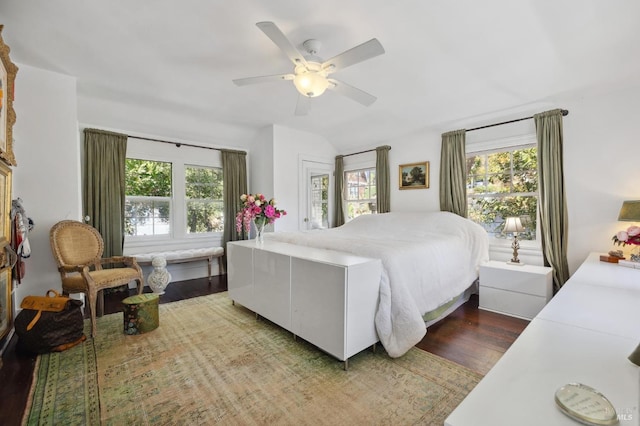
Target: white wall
47,177
260,163
415,148
409,149
276,159
602,167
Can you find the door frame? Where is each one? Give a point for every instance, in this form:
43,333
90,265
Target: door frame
308,167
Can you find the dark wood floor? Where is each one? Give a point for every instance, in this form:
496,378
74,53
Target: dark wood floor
469,336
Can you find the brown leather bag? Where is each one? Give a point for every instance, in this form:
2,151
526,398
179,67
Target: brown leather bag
55,303
49,323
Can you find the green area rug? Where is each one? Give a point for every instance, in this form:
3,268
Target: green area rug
211,362
65,387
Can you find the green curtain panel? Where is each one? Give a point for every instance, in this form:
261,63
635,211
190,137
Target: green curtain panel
453,173
554,223
383,180
103,186
234,172
338,212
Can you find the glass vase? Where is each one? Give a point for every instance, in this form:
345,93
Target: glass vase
634,256
259,224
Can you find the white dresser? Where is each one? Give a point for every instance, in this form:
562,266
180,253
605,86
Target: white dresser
326,297
584,335
519,291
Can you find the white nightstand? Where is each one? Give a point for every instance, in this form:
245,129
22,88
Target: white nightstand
519,291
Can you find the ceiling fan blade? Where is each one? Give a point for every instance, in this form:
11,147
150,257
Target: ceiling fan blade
303,105
362,52
262,79
351,92
278,37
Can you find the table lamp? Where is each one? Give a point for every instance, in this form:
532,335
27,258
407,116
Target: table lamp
514,225
630,211
635,356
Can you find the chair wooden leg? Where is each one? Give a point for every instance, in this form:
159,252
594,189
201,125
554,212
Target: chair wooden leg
93,295
100,297
140,284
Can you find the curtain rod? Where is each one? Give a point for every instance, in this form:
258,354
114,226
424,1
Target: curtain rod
564,114
177,144
361,152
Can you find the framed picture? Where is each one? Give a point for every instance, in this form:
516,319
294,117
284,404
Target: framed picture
414,175
8,71
5,301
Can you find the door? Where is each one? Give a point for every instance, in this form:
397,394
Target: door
316,195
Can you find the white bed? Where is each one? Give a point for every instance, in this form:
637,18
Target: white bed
428,259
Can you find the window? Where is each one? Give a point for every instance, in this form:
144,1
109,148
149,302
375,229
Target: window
203,195
360,187
148,197
502,184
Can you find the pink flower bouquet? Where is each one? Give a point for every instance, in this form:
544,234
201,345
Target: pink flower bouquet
256,207
630,236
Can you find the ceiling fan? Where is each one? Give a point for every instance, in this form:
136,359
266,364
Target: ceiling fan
311,75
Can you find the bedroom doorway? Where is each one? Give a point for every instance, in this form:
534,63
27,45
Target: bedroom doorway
316,195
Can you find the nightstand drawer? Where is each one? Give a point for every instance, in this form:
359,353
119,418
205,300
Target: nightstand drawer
511,303
527,279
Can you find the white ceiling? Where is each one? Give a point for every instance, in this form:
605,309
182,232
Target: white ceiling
447,64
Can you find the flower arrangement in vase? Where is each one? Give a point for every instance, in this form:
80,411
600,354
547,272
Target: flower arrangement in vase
630,236
257,209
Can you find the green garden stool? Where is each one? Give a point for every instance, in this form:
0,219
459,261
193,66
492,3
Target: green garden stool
141,313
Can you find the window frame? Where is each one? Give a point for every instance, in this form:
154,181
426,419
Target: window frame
153,237
186,201
346,200
185,155
508,145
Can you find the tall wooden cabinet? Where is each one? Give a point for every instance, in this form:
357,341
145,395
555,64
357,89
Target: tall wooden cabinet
8,71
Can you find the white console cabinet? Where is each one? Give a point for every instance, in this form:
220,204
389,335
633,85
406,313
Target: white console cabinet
326,297
519,291
583,335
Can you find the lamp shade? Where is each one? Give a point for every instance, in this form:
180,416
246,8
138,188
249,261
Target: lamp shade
630,211
311,83
513,224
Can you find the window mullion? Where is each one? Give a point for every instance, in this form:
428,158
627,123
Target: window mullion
178,201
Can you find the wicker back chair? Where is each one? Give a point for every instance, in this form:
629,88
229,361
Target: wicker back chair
77,249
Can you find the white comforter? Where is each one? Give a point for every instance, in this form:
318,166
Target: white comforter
427,260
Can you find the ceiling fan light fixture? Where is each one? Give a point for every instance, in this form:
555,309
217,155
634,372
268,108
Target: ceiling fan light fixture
311,75
310,83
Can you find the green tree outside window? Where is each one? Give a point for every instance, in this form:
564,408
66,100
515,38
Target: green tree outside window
503,184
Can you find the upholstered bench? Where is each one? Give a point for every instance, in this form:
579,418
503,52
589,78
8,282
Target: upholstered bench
184,256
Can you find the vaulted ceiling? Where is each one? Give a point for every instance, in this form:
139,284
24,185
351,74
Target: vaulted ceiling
447,63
